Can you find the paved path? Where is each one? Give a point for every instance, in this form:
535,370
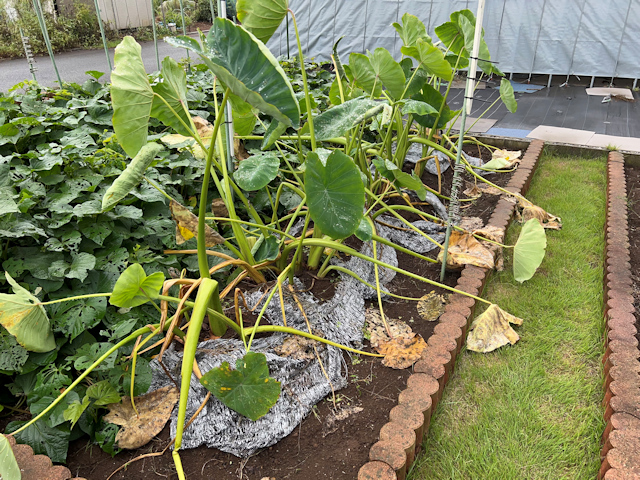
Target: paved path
73,65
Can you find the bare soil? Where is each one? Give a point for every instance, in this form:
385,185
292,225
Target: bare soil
633,206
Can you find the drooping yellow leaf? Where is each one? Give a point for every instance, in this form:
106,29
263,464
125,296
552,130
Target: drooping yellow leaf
431,306
491,330
529,211
512,157
187,226
154,409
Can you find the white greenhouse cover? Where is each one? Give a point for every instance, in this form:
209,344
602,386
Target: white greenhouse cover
559,37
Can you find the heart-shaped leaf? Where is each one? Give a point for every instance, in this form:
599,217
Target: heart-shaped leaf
338,120
364,75
135,288
248,389
430,58
244,115
131,96
9,469
434,98
262,17
246,66
24,318
173,89
132,175
507,95
388,72
335,194
411,30
257,171
528,252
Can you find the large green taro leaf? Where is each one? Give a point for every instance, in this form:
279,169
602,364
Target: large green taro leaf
173,89
262,17
132,175
430,58
388,71
433,97
528,252
131,96
335,194
24,318
135,288
411,30
364,75
245,65
9,469
338,120
244,115
248,389
257,171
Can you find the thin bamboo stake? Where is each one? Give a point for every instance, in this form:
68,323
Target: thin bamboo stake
43,27
104,38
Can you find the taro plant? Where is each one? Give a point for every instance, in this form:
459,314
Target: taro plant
335,188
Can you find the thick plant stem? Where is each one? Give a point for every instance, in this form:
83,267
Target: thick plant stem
305,83
203,263
207,290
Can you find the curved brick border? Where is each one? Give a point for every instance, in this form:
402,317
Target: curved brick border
404,432
37,467
621,439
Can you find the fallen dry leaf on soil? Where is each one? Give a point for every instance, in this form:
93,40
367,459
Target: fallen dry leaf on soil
529,211
154,411
431,306
491,330
489,189
473,191
300,348
471,223
331,426
465,249
402,349
187,226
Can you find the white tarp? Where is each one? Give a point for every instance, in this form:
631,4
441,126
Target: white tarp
559,37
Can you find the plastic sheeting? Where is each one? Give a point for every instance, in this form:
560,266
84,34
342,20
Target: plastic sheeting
566,37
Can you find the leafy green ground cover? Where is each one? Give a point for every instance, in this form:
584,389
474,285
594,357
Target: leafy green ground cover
534,410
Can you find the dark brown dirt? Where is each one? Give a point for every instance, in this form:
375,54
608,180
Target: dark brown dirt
319,448
633,207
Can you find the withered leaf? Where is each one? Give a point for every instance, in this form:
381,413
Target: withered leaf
471,223
402,349
187,226
510,156
491,330
465,249
431,306
300,348
219,208
489,189
473,191
529,211
154,410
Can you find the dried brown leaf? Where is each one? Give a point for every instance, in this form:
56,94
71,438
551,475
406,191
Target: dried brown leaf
402,349
187,226
431,306
510,156
219,208
489,189
491,330
465,249
154,411
473,191
300,348
529,211
471,223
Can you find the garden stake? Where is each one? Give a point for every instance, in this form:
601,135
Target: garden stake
43,27
104,38
454,204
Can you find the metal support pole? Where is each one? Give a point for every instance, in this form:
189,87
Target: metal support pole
222,13
549,82
29,54
184,32
213,11
155,33
635,82
104,38
593,79
43,27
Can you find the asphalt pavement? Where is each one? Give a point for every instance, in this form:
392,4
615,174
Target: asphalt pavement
73,65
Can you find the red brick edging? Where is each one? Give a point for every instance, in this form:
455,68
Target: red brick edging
621,439
401,438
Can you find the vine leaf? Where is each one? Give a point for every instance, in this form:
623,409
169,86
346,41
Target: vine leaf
135,288
248,389
154,410
132,175
187,226
528,252
24,318
257,171
491,330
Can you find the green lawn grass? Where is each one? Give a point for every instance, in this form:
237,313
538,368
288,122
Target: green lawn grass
533,410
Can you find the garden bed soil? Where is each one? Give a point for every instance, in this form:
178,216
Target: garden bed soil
633,207
334,441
